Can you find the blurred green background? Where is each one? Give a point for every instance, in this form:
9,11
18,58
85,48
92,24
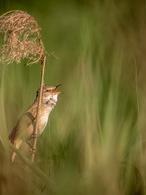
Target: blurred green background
94,142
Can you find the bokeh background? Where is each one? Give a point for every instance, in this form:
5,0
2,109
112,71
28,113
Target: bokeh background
94,142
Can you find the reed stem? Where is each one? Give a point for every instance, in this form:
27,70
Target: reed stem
35,132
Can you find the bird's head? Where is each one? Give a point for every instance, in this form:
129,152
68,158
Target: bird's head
50,94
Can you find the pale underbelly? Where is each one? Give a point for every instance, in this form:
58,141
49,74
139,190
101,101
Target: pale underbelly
42,124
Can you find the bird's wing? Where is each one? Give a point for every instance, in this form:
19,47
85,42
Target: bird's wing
23,128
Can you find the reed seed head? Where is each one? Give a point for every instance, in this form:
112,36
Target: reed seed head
21,38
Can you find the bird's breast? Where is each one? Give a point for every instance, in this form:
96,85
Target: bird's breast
43,121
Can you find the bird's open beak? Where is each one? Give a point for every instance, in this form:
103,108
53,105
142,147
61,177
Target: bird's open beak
58,86
57,91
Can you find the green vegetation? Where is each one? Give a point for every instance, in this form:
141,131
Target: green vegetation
95,139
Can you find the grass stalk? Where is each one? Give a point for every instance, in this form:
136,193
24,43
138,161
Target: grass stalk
35,132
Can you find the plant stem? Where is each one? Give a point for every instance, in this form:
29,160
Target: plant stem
35,132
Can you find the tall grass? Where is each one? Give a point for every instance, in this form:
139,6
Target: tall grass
95,139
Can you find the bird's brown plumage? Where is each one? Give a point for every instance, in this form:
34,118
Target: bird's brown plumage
23,130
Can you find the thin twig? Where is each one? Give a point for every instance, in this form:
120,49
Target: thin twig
35,132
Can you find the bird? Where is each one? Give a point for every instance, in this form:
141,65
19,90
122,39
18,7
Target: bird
24,128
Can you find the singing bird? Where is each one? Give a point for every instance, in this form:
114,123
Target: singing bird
23,130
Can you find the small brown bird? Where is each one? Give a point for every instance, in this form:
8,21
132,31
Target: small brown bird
24,128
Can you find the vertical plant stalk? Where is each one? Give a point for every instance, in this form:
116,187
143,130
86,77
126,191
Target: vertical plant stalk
35,132
22,40
3,134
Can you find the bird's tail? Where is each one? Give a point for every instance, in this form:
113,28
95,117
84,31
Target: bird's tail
17,143
12,135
